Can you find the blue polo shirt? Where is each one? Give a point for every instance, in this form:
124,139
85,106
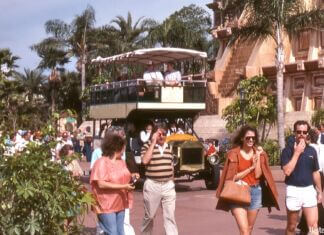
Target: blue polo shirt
302,175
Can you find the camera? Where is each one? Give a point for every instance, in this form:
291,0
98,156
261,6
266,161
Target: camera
133,180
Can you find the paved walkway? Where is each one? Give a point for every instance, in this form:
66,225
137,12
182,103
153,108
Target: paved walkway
196,214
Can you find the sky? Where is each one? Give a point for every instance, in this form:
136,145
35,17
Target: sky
22,21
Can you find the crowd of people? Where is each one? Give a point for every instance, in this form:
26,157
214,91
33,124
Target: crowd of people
246,163
114,173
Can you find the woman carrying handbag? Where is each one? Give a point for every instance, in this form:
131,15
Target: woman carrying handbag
247,164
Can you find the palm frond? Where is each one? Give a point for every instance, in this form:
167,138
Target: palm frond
305,19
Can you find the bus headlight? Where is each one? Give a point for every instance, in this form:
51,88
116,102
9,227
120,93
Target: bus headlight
212,160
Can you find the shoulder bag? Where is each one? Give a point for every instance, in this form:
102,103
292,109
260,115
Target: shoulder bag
237,192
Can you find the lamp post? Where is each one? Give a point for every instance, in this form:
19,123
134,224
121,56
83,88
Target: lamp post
242,104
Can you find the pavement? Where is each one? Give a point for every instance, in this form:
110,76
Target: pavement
196,214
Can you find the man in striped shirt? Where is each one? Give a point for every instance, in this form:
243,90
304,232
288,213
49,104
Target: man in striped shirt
159,188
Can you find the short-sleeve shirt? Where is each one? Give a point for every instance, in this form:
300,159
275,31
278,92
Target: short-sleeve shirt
160,167
153,76
307,163
173,76
110,200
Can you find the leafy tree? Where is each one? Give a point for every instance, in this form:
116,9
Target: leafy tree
187,28
258,106
69,94
318,118
22,103
11,104
275,19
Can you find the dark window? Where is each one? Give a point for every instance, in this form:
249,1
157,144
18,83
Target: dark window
303,41
298,101
191,156
317,102
319,81
299,83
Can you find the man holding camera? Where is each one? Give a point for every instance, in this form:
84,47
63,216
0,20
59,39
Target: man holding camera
300,166
159,188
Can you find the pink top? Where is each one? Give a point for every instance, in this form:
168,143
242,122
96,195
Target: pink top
110,200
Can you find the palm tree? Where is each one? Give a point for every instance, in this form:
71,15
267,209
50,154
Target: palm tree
32,81
275,19
68,40
129,36
7,62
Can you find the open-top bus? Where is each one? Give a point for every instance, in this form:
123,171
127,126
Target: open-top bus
135,100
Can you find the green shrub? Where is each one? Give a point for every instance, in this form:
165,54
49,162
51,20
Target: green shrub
271,147
38,196
318,117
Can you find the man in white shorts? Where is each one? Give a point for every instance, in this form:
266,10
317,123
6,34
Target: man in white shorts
300,166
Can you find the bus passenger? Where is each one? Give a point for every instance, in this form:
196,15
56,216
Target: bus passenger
172,76
152,75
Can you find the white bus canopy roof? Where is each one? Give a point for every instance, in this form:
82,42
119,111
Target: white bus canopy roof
153,55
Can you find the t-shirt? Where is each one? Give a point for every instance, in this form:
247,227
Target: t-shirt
173,76
96,154
160,167
110,200
302,175
153,76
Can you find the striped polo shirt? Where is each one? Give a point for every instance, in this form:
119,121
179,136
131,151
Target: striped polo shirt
160,168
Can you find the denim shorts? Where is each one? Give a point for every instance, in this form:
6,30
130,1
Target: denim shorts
256,199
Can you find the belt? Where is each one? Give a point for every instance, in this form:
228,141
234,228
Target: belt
159,181
254,185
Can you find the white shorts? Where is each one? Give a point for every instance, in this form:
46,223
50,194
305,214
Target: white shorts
299,197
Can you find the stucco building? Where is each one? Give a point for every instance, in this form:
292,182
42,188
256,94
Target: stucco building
304,65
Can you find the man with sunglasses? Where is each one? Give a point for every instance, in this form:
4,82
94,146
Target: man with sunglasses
159,188
300,166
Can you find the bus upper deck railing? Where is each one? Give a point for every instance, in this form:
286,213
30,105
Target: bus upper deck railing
191,91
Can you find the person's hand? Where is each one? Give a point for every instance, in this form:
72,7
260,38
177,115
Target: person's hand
155,136
136,175
300,147
259,150
319,197
129,187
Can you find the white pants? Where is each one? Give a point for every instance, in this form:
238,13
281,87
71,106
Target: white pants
127,226
156,194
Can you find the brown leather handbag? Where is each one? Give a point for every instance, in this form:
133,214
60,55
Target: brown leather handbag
236,192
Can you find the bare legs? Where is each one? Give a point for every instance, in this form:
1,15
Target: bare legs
245,219
311,215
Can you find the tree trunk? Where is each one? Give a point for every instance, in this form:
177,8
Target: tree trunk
83,81
263,130
280,108
53,100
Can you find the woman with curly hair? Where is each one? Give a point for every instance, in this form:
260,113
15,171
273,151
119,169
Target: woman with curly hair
110,185
248,163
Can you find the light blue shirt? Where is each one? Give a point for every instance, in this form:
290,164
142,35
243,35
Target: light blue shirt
97,153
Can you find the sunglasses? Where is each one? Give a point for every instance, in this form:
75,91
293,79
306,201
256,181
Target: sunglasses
162,134
247,138
302,132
